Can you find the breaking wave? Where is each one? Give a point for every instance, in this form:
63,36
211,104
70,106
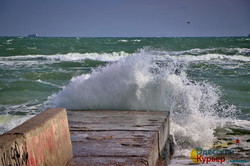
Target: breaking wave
145,82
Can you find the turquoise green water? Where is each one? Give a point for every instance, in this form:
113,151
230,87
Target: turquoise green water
206,77
12,46
26,62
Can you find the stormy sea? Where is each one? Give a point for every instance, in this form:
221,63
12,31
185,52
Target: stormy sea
203,82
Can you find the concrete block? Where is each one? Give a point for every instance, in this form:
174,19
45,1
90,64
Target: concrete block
46,138
13,150
108,161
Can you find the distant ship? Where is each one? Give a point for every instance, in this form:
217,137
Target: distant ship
33,35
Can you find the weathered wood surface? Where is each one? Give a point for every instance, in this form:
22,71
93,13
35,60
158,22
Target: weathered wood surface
117,137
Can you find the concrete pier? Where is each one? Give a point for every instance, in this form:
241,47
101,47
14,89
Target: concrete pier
98,137
134,138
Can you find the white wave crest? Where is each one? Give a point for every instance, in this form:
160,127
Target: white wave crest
8,122
208,57
199,51
70,57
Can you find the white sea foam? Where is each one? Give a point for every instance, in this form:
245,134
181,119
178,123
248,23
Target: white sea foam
125,41
31,48
208,57
199,51
10,49
136,40
9,40
242,124
32,61
48,83
144,82
22,63
200,55
8,122
70,57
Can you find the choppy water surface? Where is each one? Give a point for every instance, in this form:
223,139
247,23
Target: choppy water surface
203,82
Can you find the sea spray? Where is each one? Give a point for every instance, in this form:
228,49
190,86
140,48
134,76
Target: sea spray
136,83
145,82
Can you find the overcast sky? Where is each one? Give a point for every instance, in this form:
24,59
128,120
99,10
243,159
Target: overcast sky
125,18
